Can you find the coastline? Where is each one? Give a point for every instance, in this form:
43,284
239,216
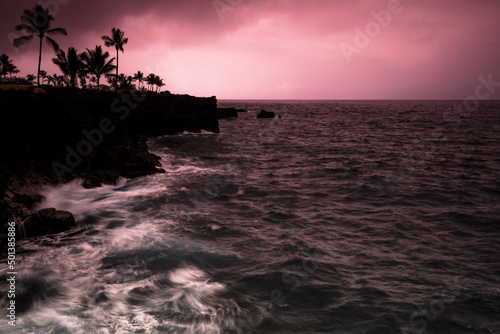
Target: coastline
62,134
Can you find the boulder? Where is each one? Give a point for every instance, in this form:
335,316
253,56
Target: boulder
45,222
266,114
38,91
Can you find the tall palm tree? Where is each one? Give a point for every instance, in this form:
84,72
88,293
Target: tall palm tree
96,62
139,77
36,22
116,39
70,65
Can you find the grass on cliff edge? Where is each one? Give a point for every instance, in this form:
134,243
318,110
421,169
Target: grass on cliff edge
14,86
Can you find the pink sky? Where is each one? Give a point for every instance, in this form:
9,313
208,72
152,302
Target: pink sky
285,49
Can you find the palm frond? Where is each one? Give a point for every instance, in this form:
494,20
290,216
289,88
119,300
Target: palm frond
57,31
22,40
26,27
109,64
52,43
107,41
28,13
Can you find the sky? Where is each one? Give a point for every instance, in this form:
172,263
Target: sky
284,49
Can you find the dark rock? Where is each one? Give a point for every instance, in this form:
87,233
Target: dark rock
227,113
266,114
37,129
46,221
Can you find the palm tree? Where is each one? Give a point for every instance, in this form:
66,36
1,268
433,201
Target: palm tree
97,63
12,69
55,79
156,82
30,78
116,39
160,84
36,22
139,77
51,79
70,65
62,81
42,74
5,64
111,79
150,80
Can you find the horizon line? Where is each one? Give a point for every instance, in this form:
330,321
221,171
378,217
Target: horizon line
225,99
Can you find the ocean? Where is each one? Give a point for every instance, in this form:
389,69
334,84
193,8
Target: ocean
337,217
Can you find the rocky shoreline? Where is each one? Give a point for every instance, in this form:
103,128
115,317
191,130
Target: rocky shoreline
61,134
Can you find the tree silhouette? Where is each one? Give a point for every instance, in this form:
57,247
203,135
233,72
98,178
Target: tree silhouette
30,78
12,69
36,22
5,65
83,79
42,74
124,82
150,80
96,62
158,83
116,39
139,77
71,65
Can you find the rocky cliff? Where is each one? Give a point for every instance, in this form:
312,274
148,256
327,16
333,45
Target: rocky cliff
61,134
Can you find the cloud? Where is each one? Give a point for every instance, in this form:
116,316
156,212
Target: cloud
286,48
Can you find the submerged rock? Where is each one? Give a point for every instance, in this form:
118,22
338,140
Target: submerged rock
266,114
45,222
